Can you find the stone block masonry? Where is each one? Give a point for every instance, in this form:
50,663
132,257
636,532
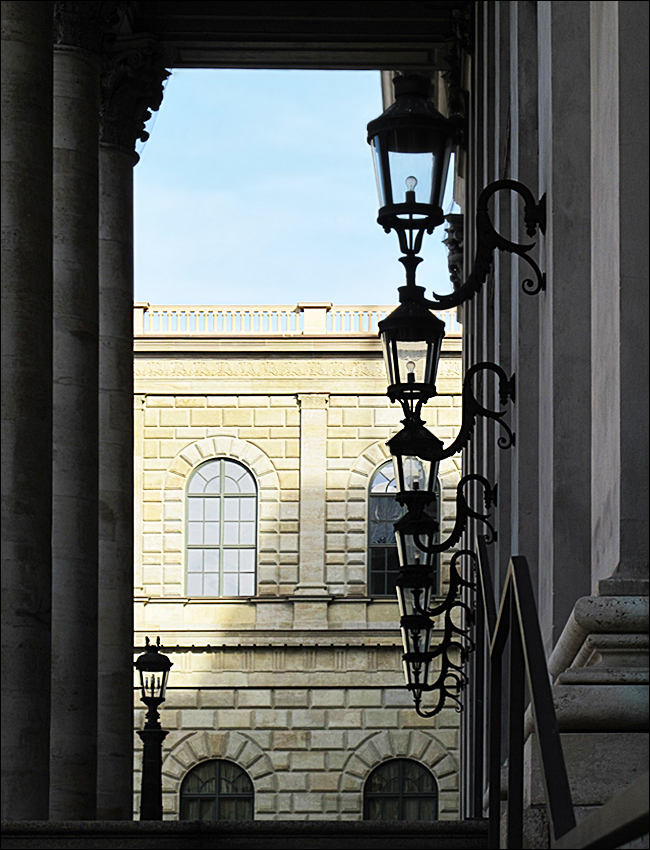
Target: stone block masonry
300,682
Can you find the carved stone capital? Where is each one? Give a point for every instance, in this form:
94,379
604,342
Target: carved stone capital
86,25
132,85
454,243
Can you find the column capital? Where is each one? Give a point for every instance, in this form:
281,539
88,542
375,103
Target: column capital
131,88
87,25
313,401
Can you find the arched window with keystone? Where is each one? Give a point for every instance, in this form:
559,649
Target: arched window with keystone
221,530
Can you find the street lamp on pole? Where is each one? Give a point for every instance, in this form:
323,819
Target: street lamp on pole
153,667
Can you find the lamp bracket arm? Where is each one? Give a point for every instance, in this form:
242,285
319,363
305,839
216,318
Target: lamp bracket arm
488,240
473,408
463,512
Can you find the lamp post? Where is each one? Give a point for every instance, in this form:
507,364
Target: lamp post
412,143
153,668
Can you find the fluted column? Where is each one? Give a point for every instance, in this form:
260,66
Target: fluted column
75,445
26,406
130,86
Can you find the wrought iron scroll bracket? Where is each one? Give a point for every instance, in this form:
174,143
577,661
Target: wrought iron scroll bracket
451,679
473,408
463,513
488,240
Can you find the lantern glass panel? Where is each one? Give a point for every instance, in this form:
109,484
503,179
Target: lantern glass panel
416,671
381,172
416,633
409,362
410,554
153,684
412,473
414,598
411,172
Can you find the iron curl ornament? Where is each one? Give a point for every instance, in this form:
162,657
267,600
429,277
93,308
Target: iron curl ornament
456,618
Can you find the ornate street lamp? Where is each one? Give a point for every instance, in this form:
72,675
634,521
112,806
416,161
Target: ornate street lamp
153,668
411,144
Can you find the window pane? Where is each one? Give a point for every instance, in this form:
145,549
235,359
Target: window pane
231,560
190,809
208,810
230,533
195,532
212,508
211,584
247,509
197,483
231,509
213,486
212,533
247,533
230,584
247,584
247,560
194,561
383,809
383,777
194,584
211,560
195,509
233,780
417,778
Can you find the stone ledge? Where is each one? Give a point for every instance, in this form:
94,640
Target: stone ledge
256,835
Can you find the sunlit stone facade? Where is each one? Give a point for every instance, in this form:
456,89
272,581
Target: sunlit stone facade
300,684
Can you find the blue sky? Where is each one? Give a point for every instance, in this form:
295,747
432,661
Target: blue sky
257,187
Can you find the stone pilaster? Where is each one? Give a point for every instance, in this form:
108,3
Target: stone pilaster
131,85
26,406
313,465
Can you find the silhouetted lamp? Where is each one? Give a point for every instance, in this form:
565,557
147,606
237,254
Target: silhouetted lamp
153,667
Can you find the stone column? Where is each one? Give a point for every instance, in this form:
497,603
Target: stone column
26,406
131,79
313,472
75,448
525,308
619,299
565,313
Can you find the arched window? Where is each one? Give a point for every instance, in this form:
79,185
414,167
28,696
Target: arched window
383,512
400,789
221,531
217,790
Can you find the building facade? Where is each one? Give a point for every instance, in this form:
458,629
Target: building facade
264,555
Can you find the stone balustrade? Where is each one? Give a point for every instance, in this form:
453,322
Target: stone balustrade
304,318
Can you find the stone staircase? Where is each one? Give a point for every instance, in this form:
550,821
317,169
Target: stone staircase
259,835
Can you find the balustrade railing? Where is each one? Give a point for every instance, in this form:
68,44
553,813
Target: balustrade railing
309,318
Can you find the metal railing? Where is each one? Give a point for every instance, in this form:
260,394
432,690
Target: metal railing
516,628
305,318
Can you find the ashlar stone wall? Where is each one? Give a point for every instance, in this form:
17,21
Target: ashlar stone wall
300,685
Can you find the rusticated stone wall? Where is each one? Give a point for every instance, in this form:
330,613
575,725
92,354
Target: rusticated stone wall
300,685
